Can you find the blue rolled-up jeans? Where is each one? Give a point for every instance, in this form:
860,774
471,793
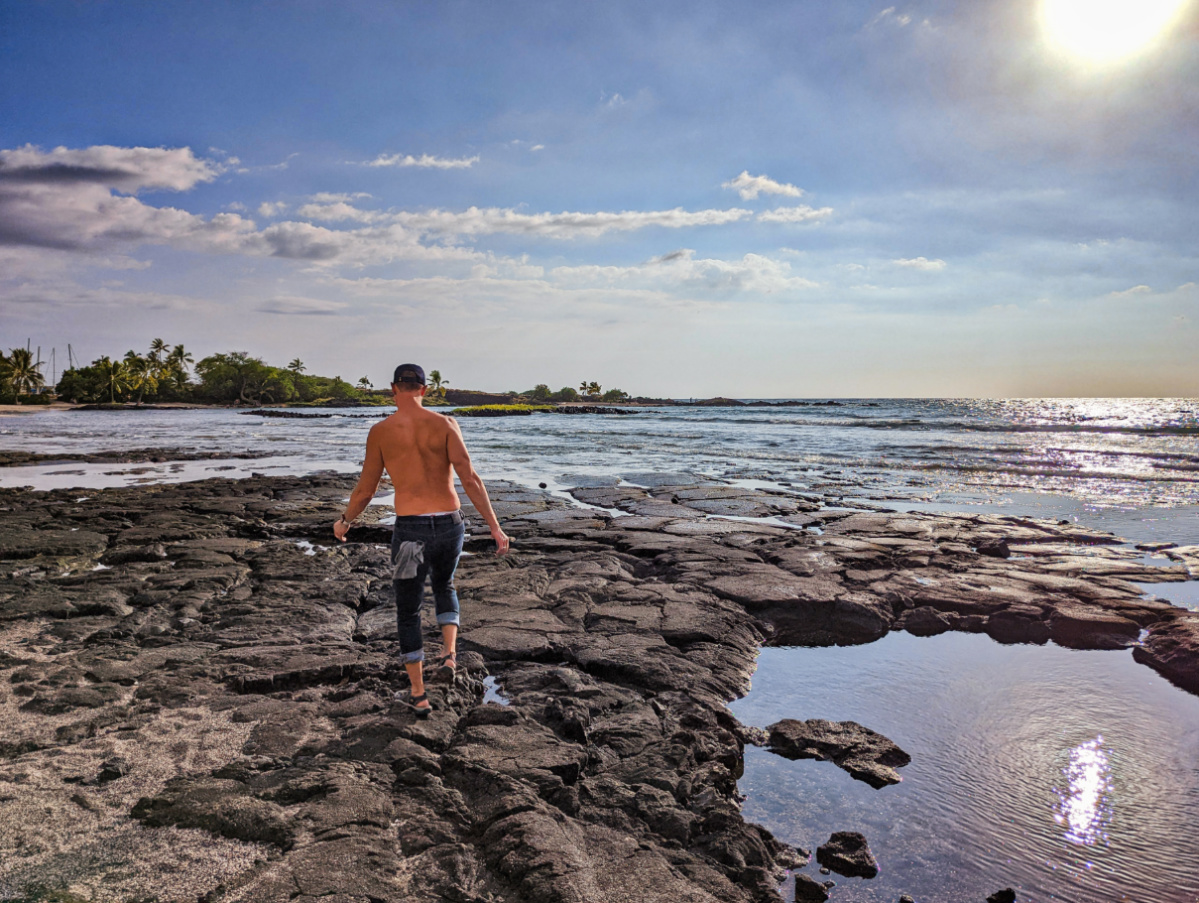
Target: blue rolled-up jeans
424,546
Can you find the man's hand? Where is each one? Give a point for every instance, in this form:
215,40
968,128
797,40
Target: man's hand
501,540
340,529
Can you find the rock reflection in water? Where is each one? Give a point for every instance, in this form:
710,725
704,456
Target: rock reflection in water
1084,805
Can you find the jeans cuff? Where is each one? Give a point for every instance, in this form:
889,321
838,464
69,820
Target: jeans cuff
407,658
447,617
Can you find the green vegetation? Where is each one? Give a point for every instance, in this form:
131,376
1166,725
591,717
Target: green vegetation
589,391
437,385
541,392
20,375
503,410
170,374
162,375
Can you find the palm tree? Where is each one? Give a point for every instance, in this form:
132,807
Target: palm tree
113,375
592,388
584,387
365,383
180,357
436,383
141,373
24,374
296,366
158,350
177,362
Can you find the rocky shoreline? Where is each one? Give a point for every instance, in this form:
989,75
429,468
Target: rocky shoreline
130,456
197,686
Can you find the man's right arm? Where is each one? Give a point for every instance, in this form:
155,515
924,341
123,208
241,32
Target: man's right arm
472,483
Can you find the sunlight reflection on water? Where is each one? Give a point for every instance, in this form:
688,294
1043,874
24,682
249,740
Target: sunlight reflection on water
1084,806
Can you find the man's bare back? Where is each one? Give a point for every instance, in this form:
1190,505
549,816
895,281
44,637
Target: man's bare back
413,445
418,448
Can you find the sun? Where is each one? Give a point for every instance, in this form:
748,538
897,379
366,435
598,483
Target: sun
1107,31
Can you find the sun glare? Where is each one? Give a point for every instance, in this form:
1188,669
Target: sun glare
1103,31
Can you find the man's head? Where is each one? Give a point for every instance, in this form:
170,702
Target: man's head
409,378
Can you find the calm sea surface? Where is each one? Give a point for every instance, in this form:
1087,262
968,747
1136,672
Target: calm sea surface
1099,457
1072,776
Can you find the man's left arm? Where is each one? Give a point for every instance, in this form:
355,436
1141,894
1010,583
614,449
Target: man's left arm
368,482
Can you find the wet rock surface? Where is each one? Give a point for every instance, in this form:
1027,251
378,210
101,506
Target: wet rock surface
866,755
197,684
848,854
134,456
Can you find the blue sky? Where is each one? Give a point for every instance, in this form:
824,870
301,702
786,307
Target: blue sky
775,199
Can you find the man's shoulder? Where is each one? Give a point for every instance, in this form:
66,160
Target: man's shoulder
381,425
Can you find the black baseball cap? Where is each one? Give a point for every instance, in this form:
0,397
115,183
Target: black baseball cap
409,373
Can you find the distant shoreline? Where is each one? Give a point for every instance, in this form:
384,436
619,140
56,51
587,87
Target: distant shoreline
11,409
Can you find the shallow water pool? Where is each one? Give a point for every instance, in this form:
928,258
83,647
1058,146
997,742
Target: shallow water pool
1067,775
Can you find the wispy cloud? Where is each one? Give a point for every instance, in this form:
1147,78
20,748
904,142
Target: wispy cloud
426,161
268,210
1135,290
565,225
681,269
892,17
291,305
921,263
338,211
332,197
801,214
749,187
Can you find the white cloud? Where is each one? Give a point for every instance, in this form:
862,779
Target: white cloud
681,270
65,199
293,305
68,200
921,263
489,220
424,160
124,169
749,187
565,225
889,15
801,214
1135,290
333,197
338,211
612,100
537,147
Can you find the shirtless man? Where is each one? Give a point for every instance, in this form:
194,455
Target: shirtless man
418,448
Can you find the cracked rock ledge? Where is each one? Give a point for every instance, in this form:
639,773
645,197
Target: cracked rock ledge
197,686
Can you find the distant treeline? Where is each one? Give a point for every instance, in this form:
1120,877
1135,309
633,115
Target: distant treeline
166,374
590,390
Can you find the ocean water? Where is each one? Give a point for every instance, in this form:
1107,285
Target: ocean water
1091,455
1067,775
